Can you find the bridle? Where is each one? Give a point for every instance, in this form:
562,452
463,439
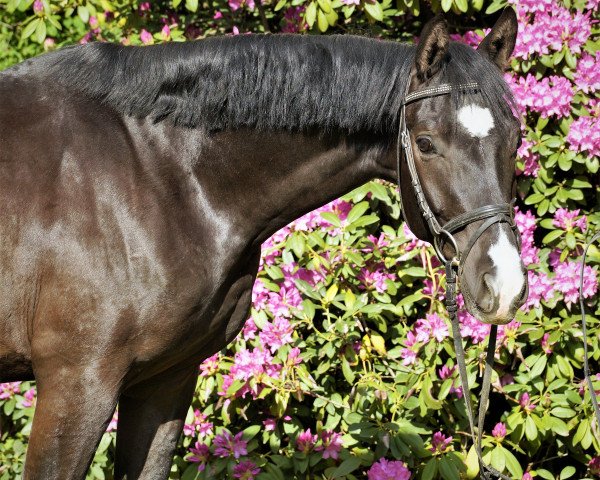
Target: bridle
442,235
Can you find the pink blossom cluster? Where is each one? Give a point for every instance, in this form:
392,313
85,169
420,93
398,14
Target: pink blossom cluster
499,431
440,443
199,427
328,442
530,159
587,76
569,219
293,20
549,96
225,446
9,389
547,26
250,365
388,470
471,38
567,280
584,135
374,276
526,223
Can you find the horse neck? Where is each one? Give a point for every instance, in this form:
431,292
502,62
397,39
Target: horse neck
263,181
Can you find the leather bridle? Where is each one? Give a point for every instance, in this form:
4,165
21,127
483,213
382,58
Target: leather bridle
442,235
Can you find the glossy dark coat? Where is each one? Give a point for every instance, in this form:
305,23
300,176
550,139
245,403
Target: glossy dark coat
129,246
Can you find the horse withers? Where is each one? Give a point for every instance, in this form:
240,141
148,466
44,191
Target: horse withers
137,185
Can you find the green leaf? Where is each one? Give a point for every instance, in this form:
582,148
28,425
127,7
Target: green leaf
280,5
346,467
530,429
83,13
322,23
357,211
462,5
191,5
30,28
567,472
325,5
448,470
512,464
550,237
251,432
310,16
446,5
374,10
40,32
430,470
497,460
332,218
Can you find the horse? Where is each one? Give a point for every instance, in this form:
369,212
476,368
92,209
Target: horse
137,185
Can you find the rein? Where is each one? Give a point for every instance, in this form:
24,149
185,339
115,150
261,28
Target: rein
443,234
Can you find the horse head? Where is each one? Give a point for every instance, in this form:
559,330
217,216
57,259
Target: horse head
464,146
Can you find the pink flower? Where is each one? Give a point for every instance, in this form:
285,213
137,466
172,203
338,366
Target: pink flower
446,372
374,277
166,32
499,431
145,37
331,444
29,398
567,278
245,470
408,356
431,326
114,421
276,334
587,77
550,96
525,403
210,366
540,288
440,443
93,21
270,424
305,441
198,426
584,135
594,466
530,160
294,20
567,220
144,7
527,476
227,445
546,347
7,390
38,7
388,470
200,454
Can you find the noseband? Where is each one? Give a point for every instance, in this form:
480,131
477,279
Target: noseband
442,235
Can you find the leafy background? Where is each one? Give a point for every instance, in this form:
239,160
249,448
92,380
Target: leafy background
344,368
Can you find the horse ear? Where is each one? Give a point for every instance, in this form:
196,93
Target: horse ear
432,48
498,45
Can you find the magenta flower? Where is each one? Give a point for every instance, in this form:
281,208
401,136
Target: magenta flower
594,466
38,7
245,470
527,476
567,278
198,426
276,334
200,454
331,444
388,470
584,135
210,366
525,403
29,398
567,220
546,347
499,431
270,424
7,390
440,443
112,426
227,445
145,37
166,32
305,441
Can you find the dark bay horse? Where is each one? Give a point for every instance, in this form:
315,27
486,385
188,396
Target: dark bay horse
137,185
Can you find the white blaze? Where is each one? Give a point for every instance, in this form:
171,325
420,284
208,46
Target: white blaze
477,121
508,279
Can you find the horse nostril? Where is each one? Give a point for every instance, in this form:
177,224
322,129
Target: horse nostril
487,302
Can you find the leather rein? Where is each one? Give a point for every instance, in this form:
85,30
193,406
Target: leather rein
443,235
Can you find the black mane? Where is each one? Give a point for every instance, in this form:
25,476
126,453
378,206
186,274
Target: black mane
268,82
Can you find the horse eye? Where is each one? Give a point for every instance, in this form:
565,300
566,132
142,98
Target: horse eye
424,144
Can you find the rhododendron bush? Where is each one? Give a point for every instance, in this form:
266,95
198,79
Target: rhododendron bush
345,367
